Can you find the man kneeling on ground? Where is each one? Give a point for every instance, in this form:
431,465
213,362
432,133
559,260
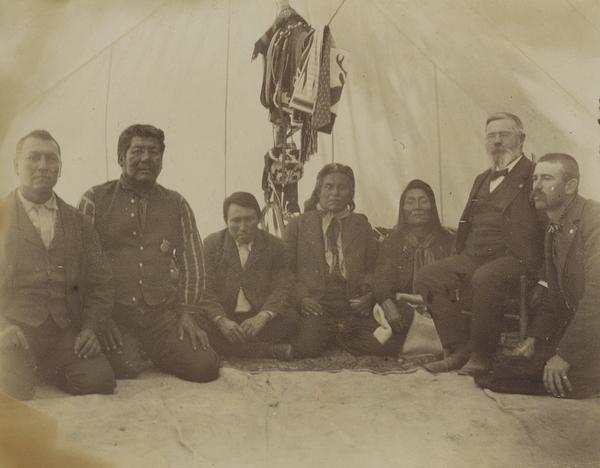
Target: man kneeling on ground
562,354
56,289
150,237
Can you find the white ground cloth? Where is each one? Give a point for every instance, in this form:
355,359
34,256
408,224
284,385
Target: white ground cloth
319,419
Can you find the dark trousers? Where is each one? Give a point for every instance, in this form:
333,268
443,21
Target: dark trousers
513,374
277,330
479,284
346,330
154,334
341,326
51,357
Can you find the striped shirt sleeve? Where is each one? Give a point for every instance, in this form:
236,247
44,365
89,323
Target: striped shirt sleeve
87,205
191,261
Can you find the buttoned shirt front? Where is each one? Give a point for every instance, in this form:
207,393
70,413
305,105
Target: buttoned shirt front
242,304
43,216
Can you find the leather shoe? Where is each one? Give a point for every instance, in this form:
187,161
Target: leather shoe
477,365
452,360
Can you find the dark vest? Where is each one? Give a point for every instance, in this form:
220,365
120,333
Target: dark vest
140,252
485,236
39,277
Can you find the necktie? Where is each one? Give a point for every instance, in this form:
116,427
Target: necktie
333,232
554,227
496,174
550,254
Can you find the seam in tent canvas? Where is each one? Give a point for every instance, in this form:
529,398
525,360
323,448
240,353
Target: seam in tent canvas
108,81
387,17
226,97
439,139
530,59
90,60
582,15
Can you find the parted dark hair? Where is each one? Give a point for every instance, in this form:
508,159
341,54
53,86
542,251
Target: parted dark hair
141,130
567,162
40,135
243,199
331,168
419,184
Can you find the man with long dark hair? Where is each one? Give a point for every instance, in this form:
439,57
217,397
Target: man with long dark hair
332,252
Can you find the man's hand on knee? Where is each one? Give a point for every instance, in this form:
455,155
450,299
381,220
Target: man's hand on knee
363,305
309,306
12,337
86,344
187,325
253,325
111,338
525,348
231,330
556,380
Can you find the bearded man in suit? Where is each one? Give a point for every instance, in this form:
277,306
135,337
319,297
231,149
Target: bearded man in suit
498,240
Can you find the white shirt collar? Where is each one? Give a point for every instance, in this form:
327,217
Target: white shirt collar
248,245
510,165
49,204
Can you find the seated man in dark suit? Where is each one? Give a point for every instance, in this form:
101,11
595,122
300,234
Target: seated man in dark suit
561,356
498,240
332,252
56,290
247,273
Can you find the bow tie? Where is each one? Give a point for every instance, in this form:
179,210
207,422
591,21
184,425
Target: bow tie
496,174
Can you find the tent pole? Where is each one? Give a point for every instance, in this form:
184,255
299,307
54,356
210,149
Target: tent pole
226,97
439,139
108,79
332,146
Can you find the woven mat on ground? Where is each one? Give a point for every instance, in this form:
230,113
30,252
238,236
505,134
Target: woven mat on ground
335,360
422,346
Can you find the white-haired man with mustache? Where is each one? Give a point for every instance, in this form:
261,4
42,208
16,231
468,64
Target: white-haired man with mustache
498,240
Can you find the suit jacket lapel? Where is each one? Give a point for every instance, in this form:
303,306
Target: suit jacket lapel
27,230
350,232
257,246
8,251
73,242
569,232
314,234
230,252
474,190
516,181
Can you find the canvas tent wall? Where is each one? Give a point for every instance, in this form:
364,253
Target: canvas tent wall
423,76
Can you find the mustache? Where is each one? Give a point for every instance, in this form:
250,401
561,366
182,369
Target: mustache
537,193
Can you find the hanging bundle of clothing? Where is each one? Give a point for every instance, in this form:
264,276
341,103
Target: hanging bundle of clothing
298,87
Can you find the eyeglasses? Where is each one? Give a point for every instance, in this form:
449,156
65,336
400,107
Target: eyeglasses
501,135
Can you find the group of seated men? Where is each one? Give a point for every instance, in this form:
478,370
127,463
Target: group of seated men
93,295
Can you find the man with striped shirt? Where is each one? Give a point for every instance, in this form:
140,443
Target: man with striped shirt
150,237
